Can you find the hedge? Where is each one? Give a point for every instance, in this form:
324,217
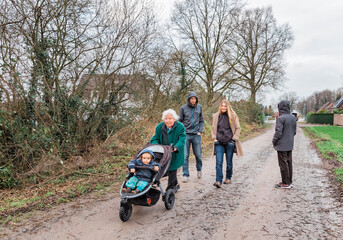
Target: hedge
322,118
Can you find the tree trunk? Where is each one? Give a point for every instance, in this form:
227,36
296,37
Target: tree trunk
253,96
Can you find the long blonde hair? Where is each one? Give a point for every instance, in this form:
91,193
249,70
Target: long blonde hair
229,110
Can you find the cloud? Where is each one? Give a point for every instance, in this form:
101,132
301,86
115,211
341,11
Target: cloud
315,62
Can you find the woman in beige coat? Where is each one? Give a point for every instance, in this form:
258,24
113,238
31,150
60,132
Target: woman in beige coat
225,134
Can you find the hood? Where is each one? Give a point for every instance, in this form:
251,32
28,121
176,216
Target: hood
147,151
192,94
284,107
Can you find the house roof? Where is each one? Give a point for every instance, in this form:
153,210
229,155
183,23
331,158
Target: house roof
326,106
338,103
105,82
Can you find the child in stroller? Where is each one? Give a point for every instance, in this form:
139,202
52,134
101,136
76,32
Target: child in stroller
148,195
142,176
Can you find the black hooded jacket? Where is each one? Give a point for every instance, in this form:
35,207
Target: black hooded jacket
285,128
191,116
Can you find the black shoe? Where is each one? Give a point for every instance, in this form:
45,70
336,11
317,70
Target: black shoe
282,185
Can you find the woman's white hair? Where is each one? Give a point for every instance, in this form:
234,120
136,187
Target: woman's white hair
172,112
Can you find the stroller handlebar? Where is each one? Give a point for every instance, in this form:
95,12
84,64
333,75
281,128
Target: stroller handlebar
172,147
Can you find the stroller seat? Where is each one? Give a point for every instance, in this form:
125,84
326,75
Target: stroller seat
151,193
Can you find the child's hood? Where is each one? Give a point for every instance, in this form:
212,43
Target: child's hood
147,151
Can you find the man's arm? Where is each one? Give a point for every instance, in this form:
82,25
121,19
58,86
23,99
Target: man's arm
278,131
181,115
201,121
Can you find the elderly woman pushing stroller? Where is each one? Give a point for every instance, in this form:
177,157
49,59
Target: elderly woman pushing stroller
168,132
162,157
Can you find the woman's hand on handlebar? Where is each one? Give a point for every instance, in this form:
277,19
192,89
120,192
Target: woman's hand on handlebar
132,170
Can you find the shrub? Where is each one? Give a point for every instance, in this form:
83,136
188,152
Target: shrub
6,178
249,111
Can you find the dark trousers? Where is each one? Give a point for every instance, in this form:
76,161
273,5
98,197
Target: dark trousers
286,167
172,179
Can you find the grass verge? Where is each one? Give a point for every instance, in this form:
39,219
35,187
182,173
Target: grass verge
49,191
329,141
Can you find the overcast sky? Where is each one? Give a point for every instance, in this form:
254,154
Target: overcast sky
315,61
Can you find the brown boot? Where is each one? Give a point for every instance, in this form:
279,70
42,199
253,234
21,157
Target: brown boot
126,190
135,191
227,181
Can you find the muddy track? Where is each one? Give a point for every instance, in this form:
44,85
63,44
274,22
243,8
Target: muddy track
249,208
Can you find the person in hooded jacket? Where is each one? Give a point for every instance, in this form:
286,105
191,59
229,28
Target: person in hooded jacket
141,177
192,118
283,142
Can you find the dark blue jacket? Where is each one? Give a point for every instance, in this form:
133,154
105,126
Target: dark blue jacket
191,116
144,174
285,128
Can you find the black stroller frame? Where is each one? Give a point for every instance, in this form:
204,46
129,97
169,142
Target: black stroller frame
151,194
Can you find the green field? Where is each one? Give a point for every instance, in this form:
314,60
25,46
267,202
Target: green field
329,141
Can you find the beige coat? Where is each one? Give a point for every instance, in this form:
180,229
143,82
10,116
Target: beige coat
236,130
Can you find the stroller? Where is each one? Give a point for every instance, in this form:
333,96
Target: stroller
150,195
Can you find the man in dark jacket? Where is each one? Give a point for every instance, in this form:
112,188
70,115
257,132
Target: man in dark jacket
193,120
283,142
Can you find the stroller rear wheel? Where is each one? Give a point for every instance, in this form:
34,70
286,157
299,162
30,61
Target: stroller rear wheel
125,211
169,199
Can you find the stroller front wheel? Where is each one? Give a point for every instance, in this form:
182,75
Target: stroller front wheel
125,212
169,199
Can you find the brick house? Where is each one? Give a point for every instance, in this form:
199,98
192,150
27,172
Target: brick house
330,106
99,87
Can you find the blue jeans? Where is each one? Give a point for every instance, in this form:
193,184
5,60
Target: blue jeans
135,183
195,140
220,150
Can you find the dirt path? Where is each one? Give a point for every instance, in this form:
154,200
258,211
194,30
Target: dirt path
249,208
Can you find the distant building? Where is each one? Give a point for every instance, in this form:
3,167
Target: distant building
338,104
101,87
330,106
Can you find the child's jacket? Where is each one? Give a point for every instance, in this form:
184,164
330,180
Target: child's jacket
144,174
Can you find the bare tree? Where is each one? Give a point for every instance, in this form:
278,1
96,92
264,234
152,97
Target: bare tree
162,72
339,93
301,106
319,99
292,97
46,46
255,51
203,28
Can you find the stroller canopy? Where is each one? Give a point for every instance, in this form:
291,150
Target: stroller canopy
154,149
